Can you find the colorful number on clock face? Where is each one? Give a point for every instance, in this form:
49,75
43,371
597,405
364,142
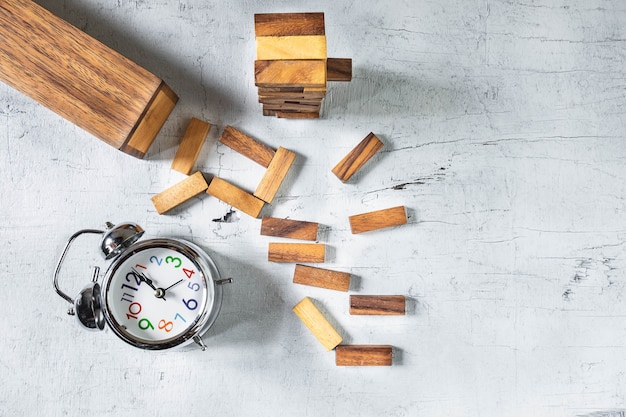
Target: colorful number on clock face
164,312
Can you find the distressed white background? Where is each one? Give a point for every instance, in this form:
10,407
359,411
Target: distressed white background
504,125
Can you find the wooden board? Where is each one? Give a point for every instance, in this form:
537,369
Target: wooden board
290,47
289,24
275,174
315,321
292,229
378,219
339,69
290,73
247,146
322,278
357,157
296,252
190,146
180,193
382,305
80,78
364,355
235,196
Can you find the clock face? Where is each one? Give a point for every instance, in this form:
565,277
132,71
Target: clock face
156,297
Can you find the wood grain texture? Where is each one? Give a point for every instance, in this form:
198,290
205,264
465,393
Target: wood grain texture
364,355
275,174
315,321
81,79
381,305
339,69
247,146
180,193
235,196
378,219
357,157
288,228
289,24
322,278
190,146
290,47
296,252
290,73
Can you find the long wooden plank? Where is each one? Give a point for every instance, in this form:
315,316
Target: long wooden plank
381,305
364,355
235,196
190,146
290,73
378,219
289,24
180,193
357,157
290,47
315,321
275,174
296,252
247,146
289,228
322,278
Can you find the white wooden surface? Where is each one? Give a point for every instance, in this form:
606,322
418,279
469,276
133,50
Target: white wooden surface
504,125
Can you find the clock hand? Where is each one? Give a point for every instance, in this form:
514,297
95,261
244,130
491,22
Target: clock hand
176,283
158,292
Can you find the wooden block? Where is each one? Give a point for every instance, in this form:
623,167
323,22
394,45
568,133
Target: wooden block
381,305
339,69
294,107
179,193
247,146
364,355
289,24
296,252
357,157
295,115
80,78
323,278
290,47
275,174
292,229
190,146
235,196
315,321
379,219
290,73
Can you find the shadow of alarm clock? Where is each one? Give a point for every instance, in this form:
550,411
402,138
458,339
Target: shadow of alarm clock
156,294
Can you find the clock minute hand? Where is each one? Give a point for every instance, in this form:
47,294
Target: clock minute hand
174,284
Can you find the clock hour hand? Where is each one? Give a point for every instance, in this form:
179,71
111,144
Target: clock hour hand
158,292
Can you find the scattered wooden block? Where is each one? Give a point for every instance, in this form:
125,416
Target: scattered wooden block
339,69
289,24
290,73
235,196
290,47
357,157
296,252
379,219
322,278
364,355
315,321
247,146
190,146
81,79
293,229
382,305
275,174
180,193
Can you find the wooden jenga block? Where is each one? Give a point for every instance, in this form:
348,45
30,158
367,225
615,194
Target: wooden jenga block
290,73
364,355
275,174
292,229
180,193
357,157
235,196
295,115
296,252
315,321
190,146
290,47
381,305
322,278
339,69
247,146
289,24
378,219
81,79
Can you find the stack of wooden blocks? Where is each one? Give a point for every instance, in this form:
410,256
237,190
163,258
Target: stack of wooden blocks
292,66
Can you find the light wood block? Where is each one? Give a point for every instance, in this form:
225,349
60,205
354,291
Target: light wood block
289,24
296,252
357,157
290,47
381,305
180,193
292,229
275,174
296,115
339,69
315,321
364,355
247,146
290,73
80,78
322,278
190,146
379,219
235,196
